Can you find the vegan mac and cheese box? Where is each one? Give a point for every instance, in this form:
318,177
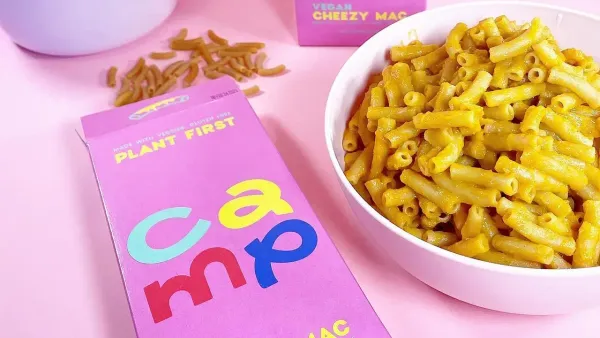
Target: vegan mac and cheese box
349,23
213,235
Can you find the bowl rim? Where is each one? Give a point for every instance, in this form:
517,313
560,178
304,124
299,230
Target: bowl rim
372,42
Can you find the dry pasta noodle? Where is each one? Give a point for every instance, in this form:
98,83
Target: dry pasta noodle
213,74
240,68
257,45
492,141
111,77
260,60
251,91
223,53
181,69
123,98
248,62
141,76
151,82
241,62
214,48
158,78
181,35
171,68
204,52
191,75
185,44
218,58
141,62
195,53
242,49
231,72
217,64
163,55
166,85
125,85
216,39
137,92
277,70
196,59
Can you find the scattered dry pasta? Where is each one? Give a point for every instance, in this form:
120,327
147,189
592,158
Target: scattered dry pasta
486,145
241,61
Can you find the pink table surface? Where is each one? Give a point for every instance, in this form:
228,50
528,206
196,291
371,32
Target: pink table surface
59,277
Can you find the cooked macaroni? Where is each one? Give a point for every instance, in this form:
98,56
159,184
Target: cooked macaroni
486,145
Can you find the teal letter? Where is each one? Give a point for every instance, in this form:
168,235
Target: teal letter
140,250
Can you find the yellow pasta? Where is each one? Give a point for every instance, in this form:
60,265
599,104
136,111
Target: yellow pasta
473,223
393,93
401,134
550,221
401,73
504,259
381,146
439,238
560,171
506,183
578,85
448,155
587,241
415,231
457,33
523,249
409,52
479,85
361,166
376,187
398,197
517,69
558,262
428,208
430,59
349,158
503,112
471,247
468,193
591,210
410,147
486,146
518,45
524,174
514,94
505,26
537,234
445,119
447,201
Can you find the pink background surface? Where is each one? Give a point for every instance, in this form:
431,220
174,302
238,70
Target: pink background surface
59,273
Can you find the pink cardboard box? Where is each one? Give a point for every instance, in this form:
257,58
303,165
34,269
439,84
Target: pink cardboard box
213,236
349,23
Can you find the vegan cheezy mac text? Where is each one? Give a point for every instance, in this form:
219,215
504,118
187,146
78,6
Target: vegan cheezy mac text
485,146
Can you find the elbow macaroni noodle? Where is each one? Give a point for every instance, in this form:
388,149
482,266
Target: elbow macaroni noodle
486,146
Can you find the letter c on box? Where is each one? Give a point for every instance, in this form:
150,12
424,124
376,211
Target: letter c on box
140,250
341,328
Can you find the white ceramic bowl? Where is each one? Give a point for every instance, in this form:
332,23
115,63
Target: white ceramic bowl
497,287
78,27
